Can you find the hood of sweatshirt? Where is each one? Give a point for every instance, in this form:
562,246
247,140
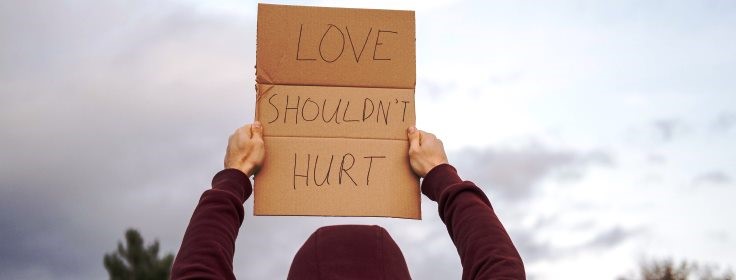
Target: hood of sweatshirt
349,252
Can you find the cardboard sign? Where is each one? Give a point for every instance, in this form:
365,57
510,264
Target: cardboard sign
335,94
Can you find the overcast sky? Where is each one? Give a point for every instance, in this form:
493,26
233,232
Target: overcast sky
604,132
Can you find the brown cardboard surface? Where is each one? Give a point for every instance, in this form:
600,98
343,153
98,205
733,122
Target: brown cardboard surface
335,94
366,178
348,112
300,45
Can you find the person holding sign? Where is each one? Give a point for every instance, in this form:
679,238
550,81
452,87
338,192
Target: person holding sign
343,252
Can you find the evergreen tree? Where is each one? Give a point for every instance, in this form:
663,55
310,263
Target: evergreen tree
134,261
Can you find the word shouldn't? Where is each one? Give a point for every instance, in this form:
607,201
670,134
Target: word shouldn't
340,169
296,108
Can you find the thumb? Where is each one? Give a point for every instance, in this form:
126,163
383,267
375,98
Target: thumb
414,136
256,130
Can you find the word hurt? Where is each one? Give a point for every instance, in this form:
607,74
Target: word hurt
345,172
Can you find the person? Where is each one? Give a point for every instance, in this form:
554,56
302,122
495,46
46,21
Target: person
348,251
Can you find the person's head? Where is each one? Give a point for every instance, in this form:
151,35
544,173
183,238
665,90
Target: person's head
349,252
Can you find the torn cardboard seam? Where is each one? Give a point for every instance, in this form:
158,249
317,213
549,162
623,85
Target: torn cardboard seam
327,137
261,90
330,85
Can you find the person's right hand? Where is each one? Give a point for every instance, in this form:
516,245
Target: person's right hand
425,151
245,150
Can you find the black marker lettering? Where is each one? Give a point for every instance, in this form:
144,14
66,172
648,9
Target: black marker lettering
403,116
358,55
316,113
385,113
342,36
274,107
347,106
299,44
370,164
379,43
365,103
296,107
343,169
327,172
306,174
334,115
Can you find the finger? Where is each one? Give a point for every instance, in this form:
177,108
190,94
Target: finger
245,131
414,136
256,130
425,138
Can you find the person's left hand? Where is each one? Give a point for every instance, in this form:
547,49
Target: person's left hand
245,150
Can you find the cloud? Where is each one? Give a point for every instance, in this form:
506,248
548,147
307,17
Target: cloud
514,172
656,132
610,238
533,249
720,236
656,159
712,178
724,122
667,129
35,241
435,89
109,113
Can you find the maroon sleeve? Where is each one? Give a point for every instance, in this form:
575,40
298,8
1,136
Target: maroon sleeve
486,251
209,242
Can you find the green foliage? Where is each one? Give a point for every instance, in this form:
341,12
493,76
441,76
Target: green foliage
667,269
134,261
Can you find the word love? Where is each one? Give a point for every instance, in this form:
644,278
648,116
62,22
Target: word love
340,169
335,36
289,107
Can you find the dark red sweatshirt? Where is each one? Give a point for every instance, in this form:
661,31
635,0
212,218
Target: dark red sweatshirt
350,252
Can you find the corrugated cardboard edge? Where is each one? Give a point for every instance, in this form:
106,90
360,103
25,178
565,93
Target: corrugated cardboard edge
264,84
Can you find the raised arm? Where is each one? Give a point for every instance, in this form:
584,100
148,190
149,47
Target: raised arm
209,242
485,249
